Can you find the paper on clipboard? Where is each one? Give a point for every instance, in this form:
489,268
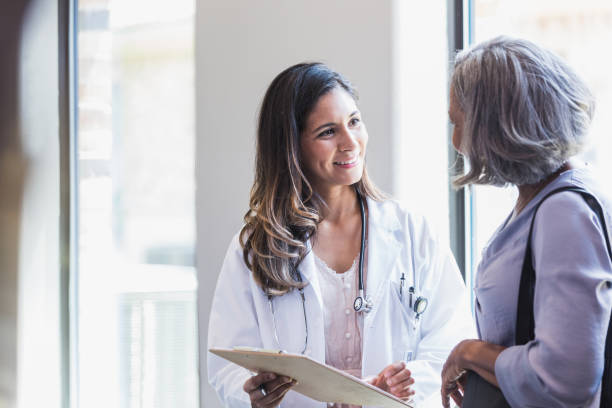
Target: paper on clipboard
314,380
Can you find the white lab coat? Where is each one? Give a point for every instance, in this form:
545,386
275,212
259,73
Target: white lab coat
240,314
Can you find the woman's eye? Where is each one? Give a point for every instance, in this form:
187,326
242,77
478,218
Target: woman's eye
326,133
354,121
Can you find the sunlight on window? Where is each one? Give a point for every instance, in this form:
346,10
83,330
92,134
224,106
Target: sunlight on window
136,310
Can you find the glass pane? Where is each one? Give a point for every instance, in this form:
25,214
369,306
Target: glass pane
581,33
419,144
136,312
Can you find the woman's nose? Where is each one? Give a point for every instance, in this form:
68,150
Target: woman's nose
347,141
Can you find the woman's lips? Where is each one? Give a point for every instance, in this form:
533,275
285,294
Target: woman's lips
347,164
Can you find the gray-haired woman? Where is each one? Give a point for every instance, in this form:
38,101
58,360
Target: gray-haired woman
520,114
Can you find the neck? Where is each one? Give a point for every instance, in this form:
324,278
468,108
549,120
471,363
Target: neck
528,191
341,203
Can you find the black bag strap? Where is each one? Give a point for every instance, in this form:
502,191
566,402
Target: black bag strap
525,320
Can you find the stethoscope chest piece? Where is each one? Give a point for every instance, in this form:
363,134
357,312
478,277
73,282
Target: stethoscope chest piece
362,304
420,305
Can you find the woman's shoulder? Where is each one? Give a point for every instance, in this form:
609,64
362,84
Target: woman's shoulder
399,215
235,242
572,204
391,206
567,213
234,256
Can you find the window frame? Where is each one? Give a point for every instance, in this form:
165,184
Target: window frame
67,102
460,34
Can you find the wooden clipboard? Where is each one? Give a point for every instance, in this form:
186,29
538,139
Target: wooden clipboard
314,380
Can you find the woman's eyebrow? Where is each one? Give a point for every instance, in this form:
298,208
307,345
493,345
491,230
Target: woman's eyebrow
332,123
323,126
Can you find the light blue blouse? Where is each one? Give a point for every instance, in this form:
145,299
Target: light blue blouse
563,366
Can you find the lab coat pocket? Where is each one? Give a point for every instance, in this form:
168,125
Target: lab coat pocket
404,323
403,302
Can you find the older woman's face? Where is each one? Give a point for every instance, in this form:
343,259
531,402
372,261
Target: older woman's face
333,143
456,116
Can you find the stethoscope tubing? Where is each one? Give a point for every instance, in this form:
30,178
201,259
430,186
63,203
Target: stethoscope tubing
363,233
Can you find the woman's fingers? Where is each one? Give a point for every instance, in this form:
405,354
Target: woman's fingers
453,389
404,394
446,391
266,390
273,386
452,378
397,380
402,388
445,399
402,379
275,397
394,369
399,377
253,383
457,397
375,381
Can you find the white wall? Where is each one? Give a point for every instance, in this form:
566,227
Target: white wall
242,44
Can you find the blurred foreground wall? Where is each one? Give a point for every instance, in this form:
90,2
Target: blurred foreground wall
12,169
30,352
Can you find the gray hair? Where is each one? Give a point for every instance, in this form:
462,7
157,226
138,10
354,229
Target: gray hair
526,112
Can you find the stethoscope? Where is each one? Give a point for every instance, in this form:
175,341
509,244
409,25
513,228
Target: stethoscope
271,303
362,303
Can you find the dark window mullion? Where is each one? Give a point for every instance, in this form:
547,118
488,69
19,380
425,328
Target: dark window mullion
457,198
67,228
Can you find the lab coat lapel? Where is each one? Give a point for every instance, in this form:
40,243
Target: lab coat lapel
383,249
314,307
308,270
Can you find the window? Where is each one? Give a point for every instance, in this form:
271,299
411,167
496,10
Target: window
135,302
579,32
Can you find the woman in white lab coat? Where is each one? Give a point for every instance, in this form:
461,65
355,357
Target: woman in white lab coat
290,279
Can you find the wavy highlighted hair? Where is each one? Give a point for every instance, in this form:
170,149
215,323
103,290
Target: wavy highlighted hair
284,210
526,112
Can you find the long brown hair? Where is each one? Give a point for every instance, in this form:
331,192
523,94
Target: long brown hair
284,210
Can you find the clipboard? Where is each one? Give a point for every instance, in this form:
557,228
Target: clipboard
314,380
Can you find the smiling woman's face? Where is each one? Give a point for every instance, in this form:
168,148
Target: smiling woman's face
333,142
